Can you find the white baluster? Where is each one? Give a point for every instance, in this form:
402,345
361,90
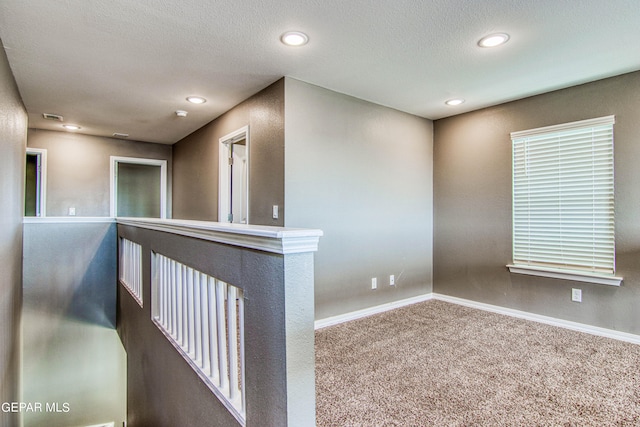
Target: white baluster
232,333
204,336
185,307
166,282
242,368
157,271
223,380
125,259
136,270
197,316
179,305
173,283
214,373
190,312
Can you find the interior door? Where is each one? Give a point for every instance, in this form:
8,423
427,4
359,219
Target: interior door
238,182
233,177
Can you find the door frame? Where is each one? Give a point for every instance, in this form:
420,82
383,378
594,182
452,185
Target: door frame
224,171
113,181
41,180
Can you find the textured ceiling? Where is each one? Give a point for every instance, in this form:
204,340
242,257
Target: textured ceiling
126,66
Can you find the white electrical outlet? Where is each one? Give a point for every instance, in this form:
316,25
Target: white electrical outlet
72,211
576,295
392,280
374,283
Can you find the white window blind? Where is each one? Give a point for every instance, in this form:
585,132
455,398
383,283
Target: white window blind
563,210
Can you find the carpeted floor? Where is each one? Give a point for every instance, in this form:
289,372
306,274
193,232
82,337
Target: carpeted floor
440,364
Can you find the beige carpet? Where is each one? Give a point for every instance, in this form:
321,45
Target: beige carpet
440,364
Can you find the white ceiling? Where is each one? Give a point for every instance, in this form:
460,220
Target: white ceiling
126,66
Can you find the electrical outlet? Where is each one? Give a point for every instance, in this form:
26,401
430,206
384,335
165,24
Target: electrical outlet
374,283
72,211
576,295
392,280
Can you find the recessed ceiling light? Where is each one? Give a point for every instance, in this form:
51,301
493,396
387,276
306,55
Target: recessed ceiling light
120,135
71,127
196,99
181,113
294,38
454,102
493,40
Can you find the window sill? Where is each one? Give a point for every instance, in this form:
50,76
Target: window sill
578,276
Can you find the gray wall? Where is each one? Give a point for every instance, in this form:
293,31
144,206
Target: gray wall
163,389
472,173
78,168
71,350
195,160
362,173
13,135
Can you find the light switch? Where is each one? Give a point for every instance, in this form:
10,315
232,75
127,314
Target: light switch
576,295
275,211
72,211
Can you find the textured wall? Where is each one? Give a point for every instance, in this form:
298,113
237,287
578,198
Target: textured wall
71,351
472,174
195,160
13,135
78,168
362,173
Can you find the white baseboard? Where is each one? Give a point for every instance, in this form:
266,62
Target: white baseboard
342,318
567,324
575,326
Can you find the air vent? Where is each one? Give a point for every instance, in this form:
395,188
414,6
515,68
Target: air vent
120,135
52,117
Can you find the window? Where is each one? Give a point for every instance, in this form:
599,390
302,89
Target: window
563,207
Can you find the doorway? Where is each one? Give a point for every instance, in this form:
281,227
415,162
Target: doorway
138,187
35,182
233,191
